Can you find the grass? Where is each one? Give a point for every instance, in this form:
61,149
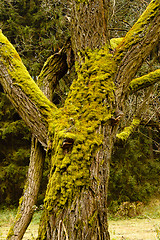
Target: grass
7,218
144,227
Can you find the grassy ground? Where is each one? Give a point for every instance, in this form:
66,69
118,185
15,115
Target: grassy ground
144,227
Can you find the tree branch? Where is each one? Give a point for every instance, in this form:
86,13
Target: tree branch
144,81
136,46
29,101
124,135
55,68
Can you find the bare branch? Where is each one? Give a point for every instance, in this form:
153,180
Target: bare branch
55,68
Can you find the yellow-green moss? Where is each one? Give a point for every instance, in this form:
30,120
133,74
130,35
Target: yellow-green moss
10,233
18,216
21,78
144,81
128,130
82,1
114,42
88,105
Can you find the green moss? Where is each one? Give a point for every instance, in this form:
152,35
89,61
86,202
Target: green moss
82,1
144,81
88,105
128,130
10,233
18,216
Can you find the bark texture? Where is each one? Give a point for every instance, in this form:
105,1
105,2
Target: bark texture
76,196
81,134
25,211
55,68
89,25
86,218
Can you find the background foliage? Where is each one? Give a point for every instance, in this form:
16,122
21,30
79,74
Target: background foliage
135,168
14,153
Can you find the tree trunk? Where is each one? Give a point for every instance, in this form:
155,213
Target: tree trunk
89,26
81,145
86,217
25,210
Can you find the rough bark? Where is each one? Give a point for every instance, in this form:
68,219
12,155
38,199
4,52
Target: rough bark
86,218
80,214
25,210
89,25
55,68
77,190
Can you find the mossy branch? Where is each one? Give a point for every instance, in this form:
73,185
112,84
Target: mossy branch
136,46
32,105
124,135
144,81
140,30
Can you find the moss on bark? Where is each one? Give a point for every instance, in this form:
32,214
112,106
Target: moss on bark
124,135
88,105
144,81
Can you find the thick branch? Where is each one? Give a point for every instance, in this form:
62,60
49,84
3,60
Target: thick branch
136,46
144,81
55,68
32,105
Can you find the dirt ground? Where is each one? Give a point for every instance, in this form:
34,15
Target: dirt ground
132,229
